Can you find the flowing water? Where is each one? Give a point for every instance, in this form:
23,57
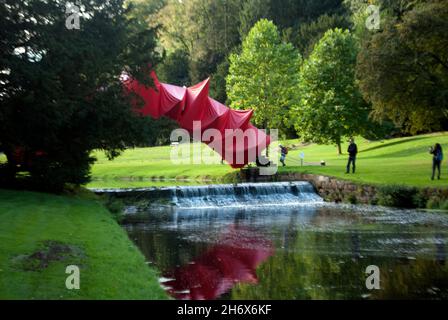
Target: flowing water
281,241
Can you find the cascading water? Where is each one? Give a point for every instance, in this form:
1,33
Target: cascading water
220,196
257,194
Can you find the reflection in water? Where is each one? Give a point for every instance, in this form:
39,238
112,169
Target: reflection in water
296,252
214,273
356,248
441,249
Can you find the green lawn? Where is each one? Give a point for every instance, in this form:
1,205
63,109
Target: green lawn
111,267
136,167
399,161
403,161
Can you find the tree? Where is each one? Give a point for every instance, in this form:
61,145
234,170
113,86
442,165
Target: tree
174,68
290,13
330,106
206,29
403,70
218,82
251,12
210,30
60,89
308,34
264,76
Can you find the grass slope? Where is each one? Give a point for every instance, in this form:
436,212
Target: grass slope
404,161
137,165
111,266
398,161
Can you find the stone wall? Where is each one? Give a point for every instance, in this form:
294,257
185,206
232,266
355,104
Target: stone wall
331,189
335,190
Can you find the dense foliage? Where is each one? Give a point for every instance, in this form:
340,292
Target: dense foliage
264,76
61,95
60,90
330,105
403,69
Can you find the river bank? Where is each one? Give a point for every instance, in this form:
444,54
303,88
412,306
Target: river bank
338,190
41,234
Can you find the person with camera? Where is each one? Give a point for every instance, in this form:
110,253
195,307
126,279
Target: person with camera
284,153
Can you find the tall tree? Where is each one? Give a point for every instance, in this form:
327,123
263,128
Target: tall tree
263,77
403,70
60,89
330,106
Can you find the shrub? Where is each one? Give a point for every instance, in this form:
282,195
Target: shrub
444,205
433,203
421,199
437,203
397,196
352,199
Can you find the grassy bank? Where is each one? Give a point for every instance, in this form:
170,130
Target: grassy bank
137,167
403,161
40,235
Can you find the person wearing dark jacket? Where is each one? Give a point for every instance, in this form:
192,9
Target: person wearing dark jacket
353,153
284,153
437,152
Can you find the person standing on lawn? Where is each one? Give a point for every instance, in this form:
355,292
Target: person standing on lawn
437,152
353,153
284,153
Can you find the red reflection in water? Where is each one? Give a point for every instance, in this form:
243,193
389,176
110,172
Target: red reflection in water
218,270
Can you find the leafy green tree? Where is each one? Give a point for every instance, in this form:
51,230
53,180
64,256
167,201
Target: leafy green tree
264,76
206,29
308,34
60,89
403,70
330,106
390,11
210,30
287,15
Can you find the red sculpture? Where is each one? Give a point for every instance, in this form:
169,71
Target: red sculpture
189,105
217,271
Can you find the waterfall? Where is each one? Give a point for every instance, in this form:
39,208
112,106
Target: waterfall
256,194
221,196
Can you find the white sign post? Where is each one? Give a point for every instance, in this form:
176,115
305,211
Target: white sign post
302,157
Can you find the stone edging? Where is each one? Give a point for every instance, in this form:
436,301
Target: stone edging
336,190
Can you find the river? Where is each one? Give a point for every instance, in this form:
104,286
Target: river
281,241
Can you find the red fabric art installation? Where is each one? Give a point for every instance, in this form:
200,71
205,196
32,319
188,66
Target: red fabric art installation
189,105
